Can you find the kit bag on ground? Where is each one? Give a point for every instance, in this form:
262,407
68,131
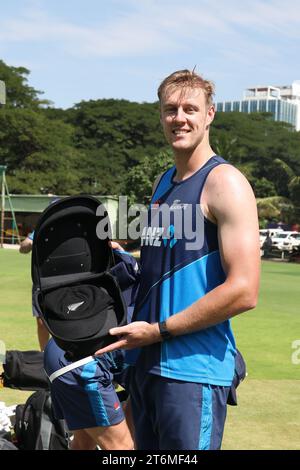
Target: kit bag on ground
24,370
5,444
79,299
36,428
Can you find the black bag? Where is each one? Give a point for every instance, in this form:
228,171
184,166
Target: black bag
36,428
24,370
5,444
68,256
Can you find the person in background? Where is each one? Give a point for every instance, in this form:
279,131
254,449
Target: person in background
267,245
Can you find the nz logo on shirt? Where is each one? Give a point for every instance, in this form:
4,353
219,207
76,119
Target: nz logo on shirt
170,238
155,236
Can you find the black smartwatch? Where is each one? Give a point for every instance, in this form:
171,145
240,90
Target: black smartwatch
164,332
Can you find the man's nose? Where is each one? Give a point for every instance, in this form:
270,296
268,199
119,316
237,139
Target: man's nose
180,115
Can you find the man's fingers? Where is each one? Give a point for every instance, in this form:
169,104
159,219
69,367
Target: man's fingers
116,246
112,347
121,330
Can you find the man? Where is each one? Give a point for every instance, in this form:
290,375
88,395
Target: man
189,291
42,332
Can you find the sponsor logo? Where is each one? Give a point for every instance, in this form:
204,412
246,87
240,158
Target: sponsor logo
177,205
170,238
155,236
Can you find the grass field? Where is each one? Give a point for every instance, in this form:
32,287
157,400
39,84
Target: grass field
268,415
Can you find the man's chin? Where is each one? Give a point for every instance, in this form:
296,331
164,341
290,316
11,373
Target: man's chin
177,145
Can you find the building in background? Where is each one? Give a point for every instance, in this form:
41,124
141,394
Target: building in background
283,102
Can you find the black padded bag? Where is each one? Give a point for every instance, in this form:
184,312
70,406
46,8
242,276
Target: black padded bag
66,253
24,370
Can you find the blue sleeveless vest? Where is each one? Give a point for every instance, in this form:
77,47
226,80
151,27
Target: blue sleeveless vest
180,263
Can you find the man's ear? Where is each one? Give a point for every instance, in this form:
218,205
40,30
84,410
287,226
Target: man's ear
211,112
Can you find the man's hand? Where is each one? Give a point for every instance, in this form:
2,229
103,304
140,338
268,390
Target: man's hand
26,246
134,335
116,246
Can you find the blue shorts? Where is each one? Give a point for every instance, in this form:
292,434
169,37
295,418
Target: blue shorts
170,414
85,397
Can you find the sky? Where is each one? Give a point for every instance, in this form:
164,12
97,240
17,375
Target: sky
90,49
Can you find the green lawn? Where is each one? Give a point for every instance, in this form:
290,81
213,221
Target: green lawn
268,415
17,326
265,335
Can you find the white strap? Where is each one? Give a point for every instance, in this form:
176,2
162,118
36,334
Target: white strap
72,366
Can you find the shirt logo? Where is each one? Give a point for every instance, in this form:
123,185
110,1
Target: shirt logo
177,205
170,237
155,236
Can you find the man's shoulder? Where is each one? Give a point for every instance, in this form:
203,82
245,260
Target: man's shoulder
225,175
160,177
226,188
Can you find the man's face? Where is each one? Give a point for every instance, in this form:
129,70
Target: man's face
185,118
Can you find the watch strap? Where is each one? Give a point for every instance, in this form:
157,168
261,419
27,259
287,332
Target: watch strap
164,332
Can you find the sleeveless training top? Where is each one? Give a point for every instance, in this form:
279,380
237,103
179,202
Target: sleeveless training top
180,263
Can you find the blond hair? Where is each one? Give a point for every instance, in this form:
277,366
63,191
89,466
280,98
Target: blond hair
186,79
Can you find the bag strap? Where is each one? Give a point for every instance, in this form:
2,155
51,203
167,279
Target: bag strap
46,427
72,366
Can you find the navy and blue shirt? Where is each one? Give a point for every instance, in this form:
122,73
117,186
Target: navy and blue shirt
180,263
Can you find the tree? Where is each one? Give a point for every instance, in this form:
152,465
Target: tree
140,179
113,146
264,188
39,153
18,93
294,189
115,135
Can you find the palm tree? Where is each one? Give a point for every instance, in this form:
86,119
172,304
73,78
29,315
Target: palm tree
279,207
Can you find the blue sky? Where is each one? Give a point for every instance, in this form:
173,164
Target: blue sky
89,49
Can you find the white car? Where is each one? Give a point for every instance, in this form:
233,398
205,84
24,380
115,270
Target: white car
291,241
263,234
286,241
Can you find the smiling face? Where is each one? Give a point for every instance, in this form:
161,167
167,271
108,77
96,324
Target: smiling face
185,117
